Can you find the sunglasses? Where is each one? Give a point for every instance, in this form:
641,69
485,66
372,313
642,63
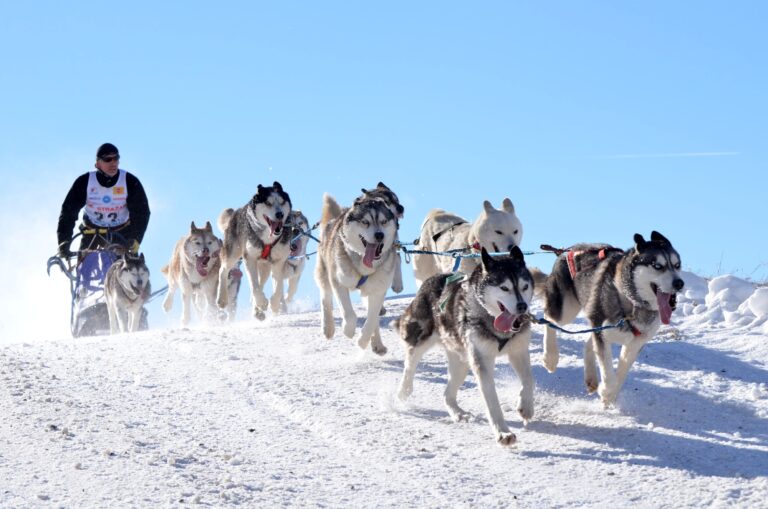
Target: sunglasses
109,159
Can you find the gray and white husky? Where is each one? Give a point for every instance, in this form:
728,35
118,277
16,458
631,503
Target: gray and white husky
126,289
390,199
256,232
497,230
297,259
476,319
638,285
356,253
194,268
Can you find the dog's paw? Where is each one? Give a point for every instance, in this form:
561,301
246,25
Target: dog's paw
329,329
221,301
382,311
506,439
405,391
167,305
258,313
607,395
459,415
349,325
363,342
525,409
275,304
551,360
379,349
397,287
591,384
261,300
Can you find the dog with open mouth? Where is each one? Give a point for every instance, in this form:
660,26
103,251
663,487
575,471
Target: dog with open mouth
297,259
639,285
194,269
126,290
257,233
476,318
356,253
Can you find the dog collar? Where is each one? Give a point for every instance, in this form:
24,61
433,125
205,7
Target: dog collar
635,331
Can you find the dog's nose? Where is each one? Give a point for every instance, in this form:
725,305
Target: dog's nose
279,214
379,236
139,283
522,307
205,251
678,284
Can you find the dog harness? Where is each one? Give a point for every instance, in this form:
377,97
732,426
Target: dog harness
267,249
441,232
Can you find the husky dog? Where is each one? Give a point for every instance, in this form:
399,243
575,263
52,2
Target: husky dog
297,259
256,233
126,289
476,319
390,199
194,267
638,285
356,253
497,230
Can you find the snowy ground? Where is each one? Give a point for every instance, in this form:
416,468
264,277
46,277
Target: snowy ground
272,414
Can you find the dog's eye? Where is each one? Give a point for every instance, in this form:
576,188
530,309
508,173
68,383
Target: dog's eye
499,232
658,266
677,266
525,288
516,231
365,223
385,221
269,204
504,288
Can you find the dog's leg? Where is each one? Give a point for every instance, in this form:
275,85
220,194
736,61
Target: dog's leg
323,282
551,352
627,357
114,326
277,286
413,354
371,326
229,259
259,301
457,373
168,301
349,323
483,366
607,387
186,303
561,308
590,368
293,286
520,359
122,319
134,316
397,281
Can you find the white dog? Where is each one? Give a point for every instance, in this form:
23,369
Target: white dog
497,230
126,289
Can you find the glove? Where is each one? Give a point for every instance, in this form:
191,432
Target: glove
133,246
64,251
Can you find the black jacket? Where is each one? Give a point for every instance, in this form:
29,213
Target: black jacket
138,206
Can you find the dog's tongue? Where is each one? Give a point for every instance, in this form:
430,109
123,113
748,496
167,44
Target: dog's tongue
370,254
665,310
295,248
274,226
202,262
503,322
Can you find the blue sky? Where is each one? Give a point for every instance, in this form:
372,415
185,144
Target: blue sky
598,119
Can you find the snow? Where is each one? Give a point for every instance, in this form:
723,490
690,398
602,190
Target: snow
266,414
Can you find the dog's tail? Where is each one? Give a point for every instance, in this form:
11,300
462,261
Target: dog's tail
331,209
224,219
539,281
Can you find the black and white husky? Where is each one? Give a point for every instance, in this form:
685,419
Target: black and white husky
476,319
126,289
356,253
610,284
256,233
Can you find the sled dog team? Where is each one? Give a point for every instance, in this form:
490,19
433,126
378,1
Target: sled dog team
476,313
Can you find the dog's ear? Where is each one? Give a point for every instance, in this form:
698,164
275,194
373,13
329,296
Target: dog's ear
381,185
364,190
517,254
658,237
488,207
208,227
141,257
487,259
276,185
639,241
192,227
508,206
